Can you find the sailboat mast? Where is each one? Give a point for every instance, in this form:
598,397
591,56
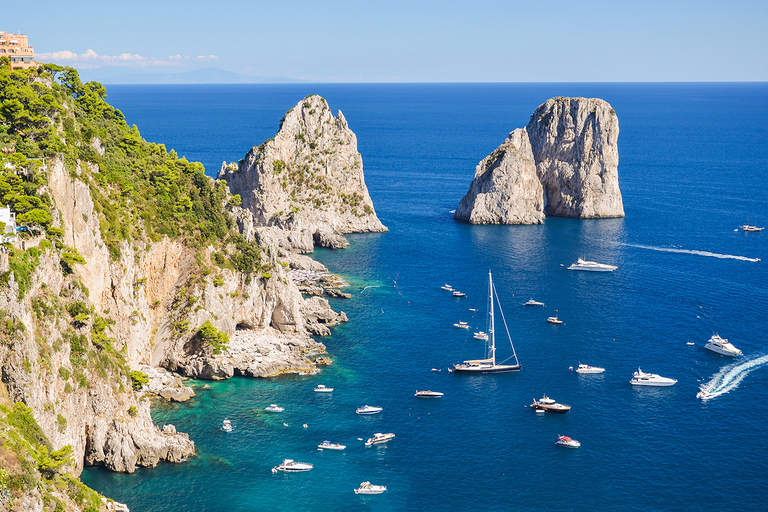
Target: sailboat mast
493,327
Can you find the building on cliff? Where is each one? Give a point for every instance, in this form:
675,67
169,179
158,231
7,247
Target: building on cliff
8,225
16,48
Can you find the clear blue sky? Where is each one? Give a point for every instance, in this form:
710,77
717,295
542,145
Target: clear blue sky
408,41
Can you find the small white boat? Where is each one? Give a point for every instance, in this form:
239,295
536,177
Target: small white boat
379,438
457,293
226,426
481,336
532,302
447,287
369,488
436,369
591,266
585,368
567,442
703,394
322,389
291,466
327,445
428,394
689,343
274,408
722,346
369,409
554,320
461,325
640,378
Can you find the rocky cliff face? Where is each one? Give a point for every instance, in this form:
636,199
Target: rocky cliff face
307,181
563,164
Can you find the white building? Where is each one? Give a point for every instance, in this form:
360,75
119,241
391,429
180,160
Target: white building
9,218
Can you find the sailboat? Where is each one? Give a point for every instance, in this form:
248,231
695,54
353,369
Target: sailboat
489,365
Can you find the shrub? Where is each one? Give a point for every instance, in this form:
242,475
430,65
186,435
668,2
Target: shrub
133,411
138,379
214,337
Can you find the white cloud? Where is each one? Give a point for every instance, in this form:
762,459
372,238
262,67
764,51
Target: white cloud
91,59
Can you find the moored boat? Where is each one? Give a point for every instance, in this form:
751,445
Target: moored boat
585,368
548,405
379,438
274,408
554,320
428,394
567,442
457,293
532,302
226,426
322,389
722,346
461,325
369,409
447,287
327,445
591,266
481,335
369,488
291,466
640,378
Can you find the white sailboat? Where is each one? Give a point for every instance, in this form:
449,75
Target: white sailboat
489,365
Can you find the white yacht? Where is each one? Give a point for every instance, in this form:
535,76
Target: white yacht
369,488
369,409
274,408
226,426
567,442
640,378
447,287
585,368
428,394
327,445
291,466
591,266
461,325
481,335
532,302
457,293
722,346
322,389
379,438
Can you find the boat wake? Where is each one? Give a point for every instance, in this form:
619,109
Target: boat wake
729,378
697,253
372,286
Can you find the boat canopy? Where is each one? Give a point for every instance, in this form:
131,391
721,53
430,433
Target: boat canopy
479,361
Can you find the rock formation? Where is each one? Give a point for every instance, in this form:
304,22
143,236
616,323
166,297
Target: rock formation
563,164
307,181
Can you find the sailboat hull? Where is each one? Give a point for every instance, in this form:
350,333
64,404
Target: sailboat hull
499,368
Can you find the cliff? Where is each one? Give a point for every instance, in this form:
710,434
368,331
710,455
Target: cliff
307,182
563,164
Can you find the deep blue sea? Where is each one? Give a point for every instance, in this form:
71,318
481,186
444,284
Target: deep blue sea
692,168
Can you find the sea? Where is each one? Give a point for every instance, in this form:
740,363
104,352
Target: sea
693,162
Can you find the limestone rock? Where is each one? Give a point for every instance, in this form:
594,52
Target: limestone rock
574,142
506,189
307,180
165,384
335,292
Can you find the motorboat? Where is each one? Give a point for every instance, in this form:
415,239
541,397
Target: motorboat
591,266
369,409
379,438
322,389
640,378
457,293
274,408
369,488
428,394
226,426
689,343
548,405
554,320
567,442
489,365
722,346
481,336
447,287
461,325
327,445
704,394
585,368
436,369
291,466
532,302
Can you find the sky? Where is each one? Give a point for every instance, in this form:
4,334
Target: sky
405,40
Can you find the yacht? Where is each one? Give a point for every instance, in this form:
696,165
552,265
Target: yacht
327,445
461,325
274,408
640,378
554,320
379,438
567,442
585,368
369,409
447,287
591,266
226,426
369,488
722,346
322,389
457,293
291,466
532,302
428,394
703,394
481,336
548,405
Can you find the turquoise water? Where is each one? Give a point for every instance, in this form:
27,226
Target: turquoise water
692,168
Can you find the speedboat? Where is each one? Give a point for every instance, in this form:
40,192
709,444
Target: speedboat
567,442
369,488
554,320
226,426
327,445
428,394
462,325
457,293
369,409
481,336
689,343
291,466
322,389
585,368
548,405
704,394
379,438
591,266
447,287
274,408
532,302
640,378
722,346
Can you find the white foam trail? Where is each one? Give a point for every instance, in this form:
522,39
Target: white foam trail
729,377
697,253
